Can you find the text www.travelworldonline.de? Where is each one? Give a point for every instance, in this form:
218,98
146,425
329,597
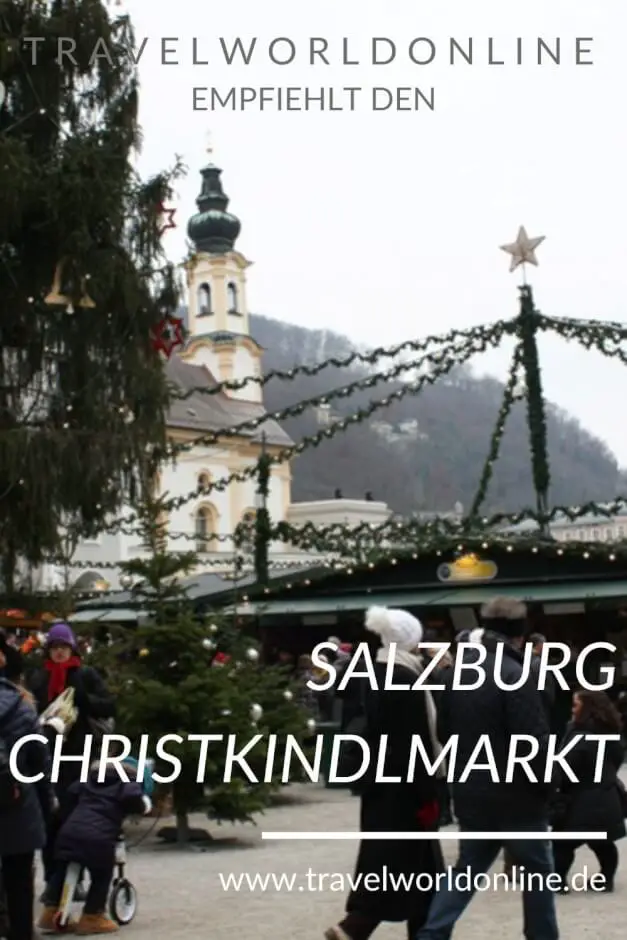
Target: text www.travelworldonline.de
462,880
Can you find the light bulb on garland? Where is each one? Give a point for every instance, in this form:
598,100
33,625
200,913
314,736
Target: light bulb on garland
256,712
252,655
288,695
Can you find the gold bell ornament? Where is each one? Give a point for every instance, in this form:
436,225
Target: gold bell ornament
57,295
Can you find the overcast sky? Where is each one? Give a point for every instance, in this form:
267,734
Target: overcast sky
386,225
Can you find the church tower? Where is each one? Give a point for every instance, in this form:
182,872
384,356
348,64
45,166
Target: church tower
218,318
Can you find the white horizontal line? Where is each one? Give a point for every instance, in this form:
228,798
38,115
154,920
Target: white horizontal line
287,836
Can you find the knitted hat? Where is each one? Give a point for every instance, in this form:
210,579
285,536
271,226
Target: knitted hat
506,616
60,633
395,626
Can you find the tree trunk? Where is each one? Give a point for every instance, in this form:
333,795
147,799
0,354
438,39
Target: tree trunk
182,827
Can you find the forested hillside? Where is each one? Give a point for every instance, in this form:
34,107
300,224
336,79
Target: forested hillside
427,451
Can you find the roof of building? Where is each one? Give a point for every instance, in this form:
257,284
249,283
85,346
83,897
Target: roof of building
204,412
198,588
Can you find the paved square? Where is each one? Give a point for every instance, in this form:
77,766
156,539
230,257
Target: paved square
181,895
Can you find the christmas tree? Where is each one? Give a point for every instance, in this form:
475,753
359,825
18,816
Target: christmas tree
178,673
84,287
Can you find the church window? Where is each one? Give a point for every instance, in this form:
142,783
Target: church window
203,480
205,525
204,300
231,297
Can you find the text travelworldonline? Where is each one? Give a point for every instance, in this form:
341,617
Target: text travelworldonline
264,758
452,879
320,51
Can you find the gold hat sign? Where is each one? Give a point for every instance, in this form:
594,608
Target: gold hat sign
58,295
467,568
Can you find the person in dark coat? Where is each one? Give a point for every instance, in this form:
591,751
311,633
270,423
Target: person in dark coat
438,676
589,806
63,669
22,822
489,713
88,837
395,807
548,695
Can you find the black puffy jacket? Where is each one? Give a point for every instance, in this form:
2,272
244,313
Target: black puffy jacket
488,710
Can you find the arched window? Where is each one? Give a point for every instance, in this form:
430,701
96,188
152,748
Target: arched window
205,525
204,479
231,297
204,300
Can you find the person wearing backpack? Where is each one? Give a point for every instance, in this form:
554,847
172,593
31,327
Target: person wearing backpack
24,807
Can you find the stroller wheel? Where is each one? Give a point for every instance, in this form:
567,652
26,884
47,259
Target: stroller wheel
123,902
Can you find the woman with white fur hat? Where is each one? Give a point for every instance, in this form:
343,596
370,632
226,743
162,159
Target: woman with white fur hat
395,807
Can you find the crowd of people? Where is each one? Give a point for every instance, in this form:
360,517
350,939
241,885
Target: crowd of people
480,805
72,821
65,820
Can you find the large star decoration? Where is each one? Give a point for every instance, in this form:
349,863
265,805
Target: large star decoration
523,250
168,215
167,335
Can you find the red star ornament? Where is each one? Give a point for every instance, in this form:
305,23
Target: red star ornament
168,215
167,336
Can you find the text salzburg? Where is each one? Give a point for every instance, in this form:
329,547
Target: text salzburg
468,670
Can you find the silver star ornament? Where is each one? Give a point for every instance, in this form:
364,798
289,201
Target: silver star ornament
523,250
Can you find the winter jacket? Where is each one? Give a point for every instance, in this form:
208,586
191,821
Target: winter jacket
23,828
92,700
89,834
394,807
587,806
480,802
548,693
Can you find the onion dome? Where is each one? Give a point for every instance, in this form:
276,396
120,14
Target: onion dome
212,228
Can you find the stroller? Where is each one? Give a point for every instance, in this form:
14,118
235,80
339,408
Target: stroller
122,894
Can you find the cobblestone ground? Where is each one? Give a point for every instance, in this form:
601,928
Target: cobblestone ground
181,895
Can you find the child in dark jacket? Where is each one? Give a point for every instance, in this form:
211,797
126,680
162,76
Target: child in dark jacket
88,837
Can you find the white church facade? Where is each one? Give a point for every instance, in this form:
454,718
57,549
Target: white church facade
219,349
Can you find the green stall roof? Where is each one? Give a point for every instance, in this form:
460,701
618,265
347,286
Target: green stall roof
440,597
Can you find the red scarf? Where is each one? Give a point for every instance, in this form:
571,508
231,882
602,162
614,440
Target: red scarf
57,682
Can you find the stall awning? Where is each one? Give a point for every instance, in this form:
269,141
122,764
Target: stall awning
110,615
440,597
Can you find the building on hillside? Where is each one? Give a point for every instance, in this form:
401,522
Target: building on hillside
219,349
591,528
587,528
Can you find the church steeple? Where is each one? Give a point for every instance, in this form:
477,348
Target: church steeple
218,321
212,228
